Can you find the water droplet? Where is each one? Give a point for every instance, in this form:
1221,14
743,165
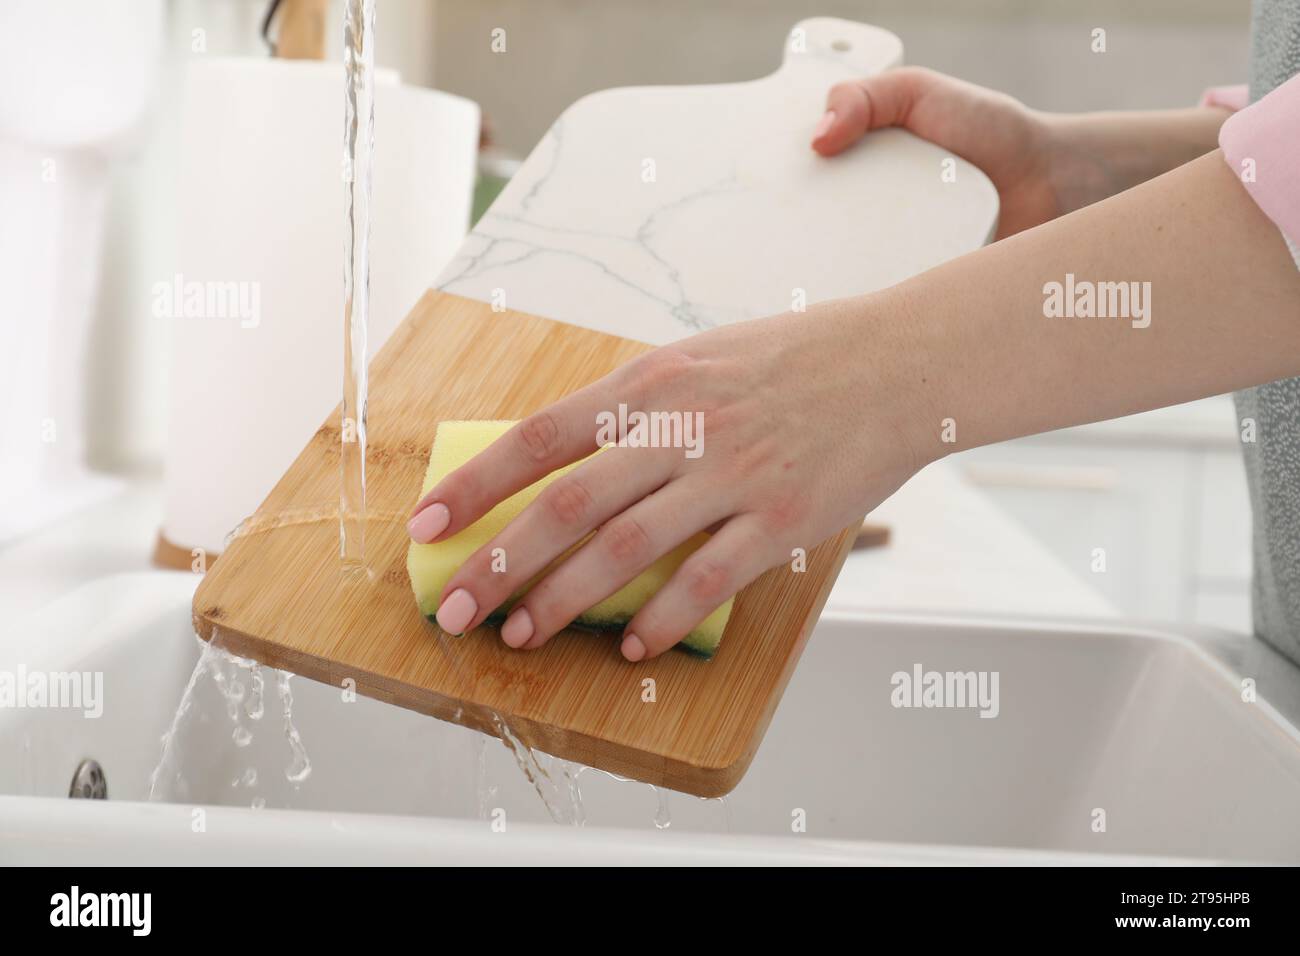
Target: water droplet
255,707
663,815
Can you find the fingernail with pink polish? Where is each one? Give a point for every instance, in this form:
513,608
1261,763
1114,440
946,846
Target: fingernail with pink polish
632,648
824,124
457,611
429,523
518,628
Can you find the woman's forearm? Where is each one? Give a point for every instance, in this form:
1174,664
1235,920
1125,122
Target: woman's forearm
1213,305
1097,155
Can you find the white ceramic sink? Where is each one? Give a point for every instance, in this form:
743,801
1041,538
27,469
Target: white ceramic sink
1142,724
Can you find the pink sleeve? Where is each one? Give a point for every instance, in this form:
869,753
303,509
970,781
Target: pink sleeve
1261,143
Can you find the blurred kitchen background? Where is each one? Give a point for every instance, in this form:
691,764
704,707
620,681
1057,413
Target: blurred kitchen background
1163,493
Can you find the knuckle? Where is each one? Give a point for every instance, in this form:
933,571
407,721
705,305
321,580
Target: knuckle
568,502
654,631
662,370
707,581
785,513
720,416
915,80
456,491
752,458
538,437
491,585
448,490
912,78
548,610
849,97
626,541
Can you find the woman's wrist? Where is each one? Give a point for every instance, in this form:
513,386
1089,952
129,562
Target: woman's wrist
893,372
1092,156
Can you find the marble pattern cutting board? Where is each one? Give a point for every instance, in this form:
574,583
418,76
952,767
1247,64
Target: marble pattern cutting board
739,212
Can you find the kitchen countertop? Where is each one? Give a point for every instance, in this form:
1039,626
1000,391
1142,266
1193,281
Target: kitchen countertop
952,549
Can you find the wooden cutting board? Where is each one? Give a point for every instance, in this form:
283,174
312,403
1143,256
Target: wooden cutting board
278,593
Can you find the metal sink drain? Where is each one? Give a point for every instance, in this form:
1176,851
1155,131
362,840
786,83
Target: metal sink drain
89,782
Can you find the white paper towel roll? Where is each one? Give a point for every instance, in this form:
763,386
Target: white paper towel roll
254,306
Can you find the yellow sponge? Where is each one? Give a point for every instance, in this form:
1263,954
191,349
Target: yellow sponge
432,565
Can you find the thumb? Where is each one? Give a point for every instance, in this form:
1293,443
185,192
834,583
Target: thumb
855,107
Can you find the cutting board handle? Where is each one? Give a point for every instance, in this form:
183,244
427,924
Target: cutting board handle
860,48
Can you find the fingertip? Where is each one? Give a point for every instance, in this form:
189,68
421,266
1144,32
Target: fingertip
457,611
518,628
429,523
633,649
822,142
825,148
847,107
824,125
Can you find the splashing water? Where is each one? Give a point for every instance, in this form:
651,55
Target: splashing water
168,771
484,792
562,798
227,745
241,685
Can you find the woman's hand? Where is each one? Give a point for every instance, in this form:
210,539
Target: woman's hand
1009,142
1043,165
805,430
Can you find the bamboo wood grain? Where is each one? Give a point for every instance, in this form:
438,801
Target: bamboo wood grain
278,593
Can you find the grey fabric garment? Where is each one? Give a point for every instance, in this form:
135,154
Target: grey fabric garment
1273,460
